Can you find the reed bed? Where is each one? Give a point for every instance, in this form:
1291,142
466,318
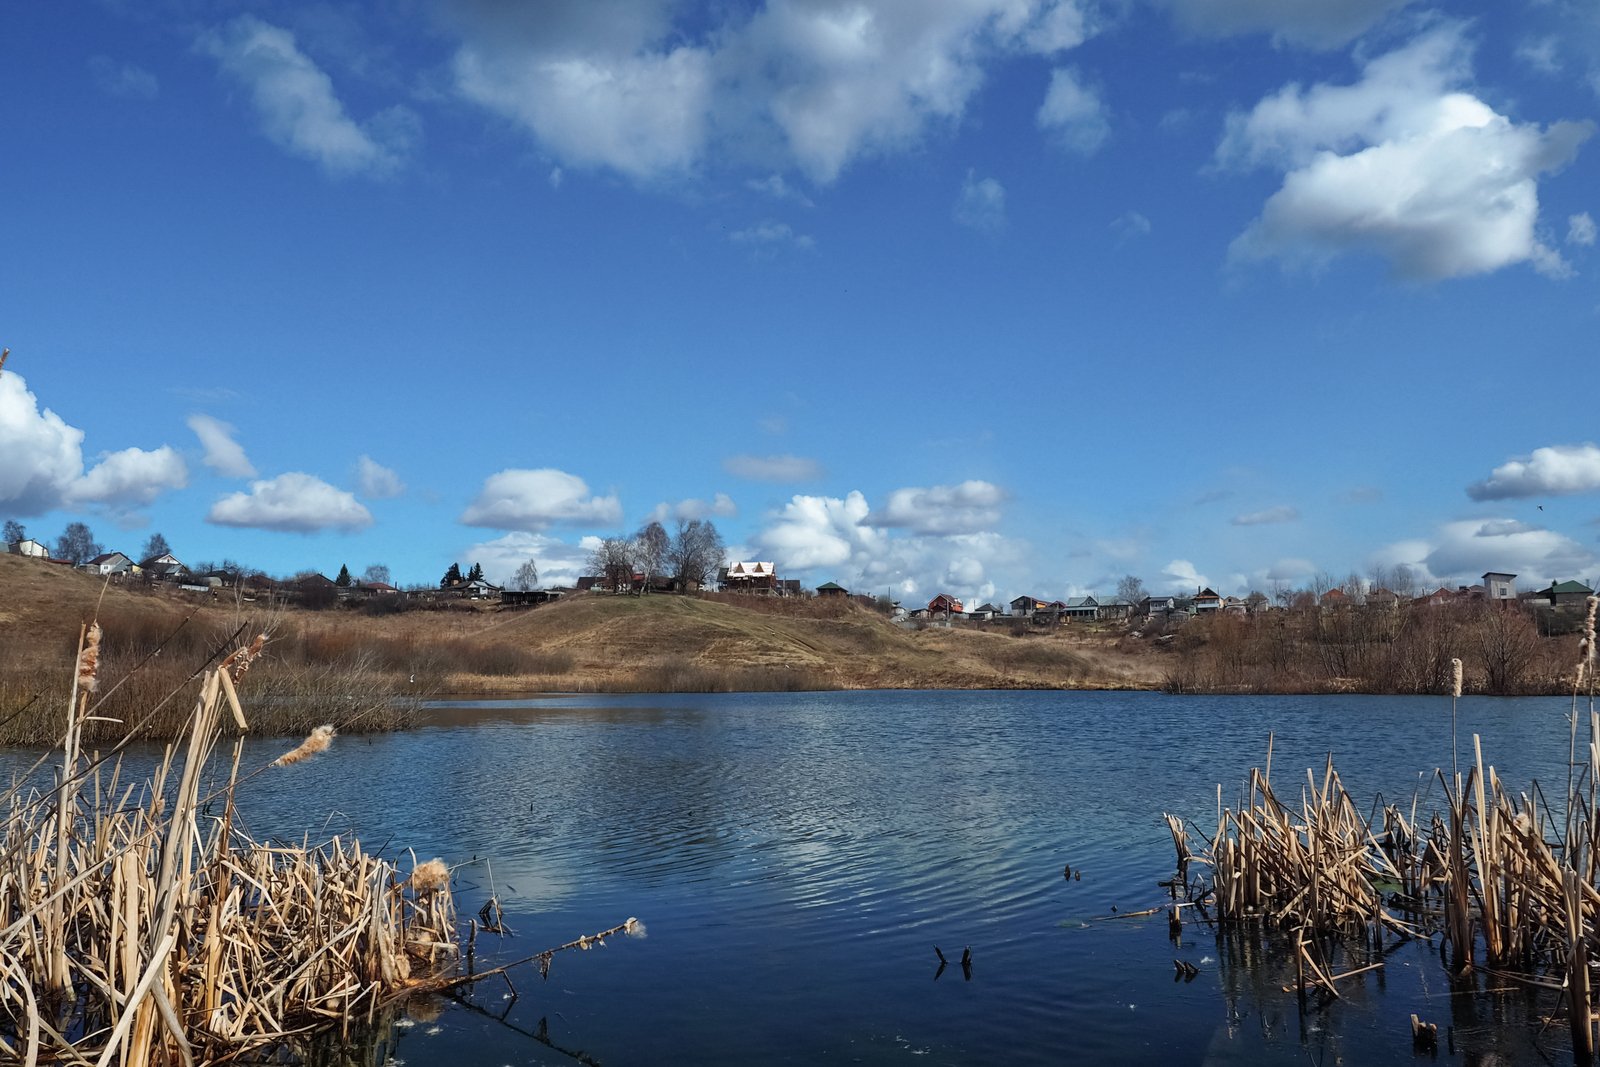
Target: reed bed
1507,881
140,926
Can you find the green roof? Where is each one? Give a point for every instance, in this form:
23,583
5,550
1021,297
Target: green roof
1570,587
830,586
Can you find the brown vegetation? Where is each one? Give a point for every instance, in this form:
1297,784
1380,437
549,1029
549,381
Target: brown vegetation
1367,650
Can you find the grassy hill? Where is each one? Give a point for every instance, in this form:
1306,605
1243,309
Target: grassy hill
343,657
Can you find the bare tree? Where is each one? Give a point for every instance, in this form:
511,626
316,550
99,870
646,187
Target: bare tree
650,547
612,559
376,572
156,546
526,578
1131,589
77,544
14,532
696,553
1508,640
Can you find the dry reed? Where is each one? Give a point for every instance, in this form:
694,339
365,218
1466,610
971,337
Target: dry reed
142,927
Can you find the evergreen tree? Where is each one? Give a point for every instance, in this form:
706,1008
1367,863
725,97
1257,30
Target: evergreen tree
343,581
451,576
475,573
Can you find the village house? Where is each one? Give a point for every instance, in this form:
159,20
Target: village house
1115,609
750,577
108,563
1499,586
832,589
1206,601
985,612
1156,605
1023,607
946,605
1080,607
1566,594
28,547
163,568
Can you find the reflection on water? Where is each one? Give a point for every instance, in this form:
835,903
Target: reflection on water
797,858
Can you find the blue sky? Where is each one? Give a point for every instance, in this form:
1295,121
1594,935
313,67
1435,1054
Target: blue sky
982,296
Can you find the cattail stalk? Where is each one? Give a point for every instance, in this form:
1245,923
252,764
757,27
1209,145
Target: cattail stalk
1456,674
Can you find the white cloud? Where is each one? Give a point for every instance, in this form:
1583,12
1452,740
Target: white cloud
1181,577
835,539
775,186
291,503
651,89
297,105
982,204
1073,114
1558,470
131,478
559,563
124,80
43,455
1315,23
1281,513
1129,225
768,234
223,454
943,509
773,468
1461,551
43,465
1540,54
377,482
1580,229
1401,164
1289,570
720,506
534,500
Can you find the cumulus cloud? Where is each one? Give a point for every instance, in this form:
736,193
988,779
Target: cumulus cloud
773,468
559,563
291,503
1461,551
43,467
769,234
297,105
1402,164
720,506
1073,115
837,539
1580,229
125,80
377,482
1313,23
223,454
1181,577
943,509
534,500
651,89
1281,513
43,455
131,478
982,204
1559,470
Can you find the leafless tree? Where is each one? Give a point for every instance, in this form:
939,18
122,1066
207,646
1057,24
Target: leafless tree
612,559
696,553
1131,589
377,572
650,548
1508,641
526,578
77,544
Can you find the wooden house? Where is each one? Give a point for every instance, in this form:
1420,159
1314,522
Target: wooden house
750,577
945,604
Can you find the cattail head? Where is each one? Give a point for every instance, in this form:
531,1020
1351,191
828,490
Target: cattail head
239,659
430,877
1455,677
89,660
318,741
1588,629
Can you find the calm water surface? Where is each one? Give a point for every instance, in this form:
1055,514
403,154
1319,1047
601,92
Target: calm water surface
796,858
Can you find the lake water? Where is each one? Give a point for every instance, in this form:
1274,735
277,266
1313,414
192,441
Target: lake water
796,857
